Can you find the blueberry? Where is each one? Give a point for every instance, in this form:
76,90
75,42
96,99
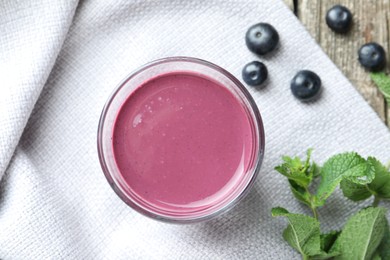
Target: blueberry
339,19
261,38
372,56
306,85
254,73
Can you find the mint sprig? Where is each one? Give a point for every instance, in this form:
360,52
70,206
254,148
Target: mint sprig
383,83
300,174
296,170
366,235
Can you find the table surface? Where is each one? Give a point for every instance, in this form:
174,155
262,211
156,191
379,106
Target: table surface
371,23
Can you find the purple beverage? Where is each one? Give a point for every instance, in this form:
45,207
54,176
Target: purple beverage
183,145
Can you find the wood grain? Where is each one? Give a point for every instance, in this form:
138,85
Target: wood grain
371,23
290,3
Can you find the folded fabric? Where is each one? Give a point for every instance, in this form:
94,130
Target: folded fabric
61,59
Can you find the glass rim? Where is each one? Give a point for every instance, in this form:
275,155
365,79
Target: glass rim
257,157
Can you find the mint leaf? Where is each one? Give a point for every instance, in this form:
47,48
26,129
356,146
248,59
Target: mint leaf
381,183
308,155
302,233
316,170
350,166
324,255
327,243
327,240
362,234
384,247
353,191
336,247
376,257
296,170
383,83
379,187
300,193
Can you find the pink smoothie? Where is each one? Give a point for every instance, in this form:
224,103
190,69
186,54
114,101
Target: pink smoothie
182,142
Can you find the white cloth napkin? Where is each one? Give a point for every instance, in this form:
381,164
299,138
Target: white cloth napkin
54,200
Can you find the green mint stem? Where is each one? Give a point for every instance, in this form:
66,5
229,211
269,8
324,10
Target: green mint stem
312,207
315,214
376,201
305,257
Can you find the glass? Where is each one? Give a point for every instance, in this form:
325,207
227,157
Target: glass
122,93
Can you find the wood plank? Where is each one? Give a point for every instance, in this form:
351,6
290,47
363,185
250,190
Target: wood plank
371,23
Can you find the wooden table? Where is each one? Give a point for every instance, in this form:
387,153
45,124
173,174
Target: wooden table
371,23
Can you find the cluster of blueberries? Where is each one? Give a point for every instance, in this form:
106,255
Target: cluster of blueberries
262,38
